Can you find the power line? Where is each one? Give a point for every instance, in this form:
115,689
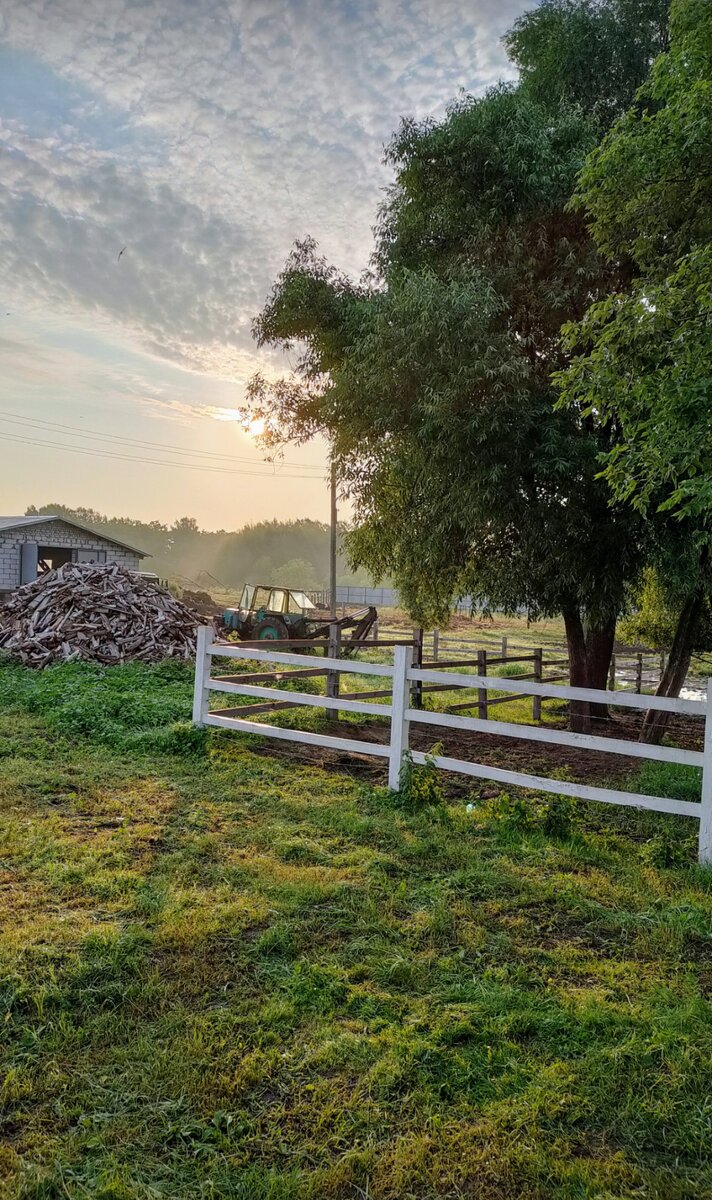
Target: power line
157,462
96,435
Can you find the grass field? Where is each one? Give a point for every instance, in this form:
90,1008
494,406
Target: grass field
225,974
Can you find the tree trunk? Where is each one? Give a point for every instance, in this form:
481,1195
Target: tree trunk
579,714
599,650
678,665
590,653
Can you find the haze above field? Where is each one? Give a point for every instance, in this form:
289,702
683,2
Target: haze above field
159,162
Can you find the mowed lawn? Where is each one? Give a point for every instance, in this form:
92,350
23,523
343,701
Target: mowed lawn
228,974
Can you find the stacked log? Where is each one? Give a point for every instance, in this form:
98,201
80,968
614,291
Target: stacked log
105,614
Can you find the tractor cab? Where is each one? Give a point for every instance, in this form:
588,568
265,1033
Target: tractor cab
268,613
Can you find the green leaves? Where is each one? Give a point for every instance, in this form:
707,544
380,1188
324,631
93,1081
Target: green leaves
645,358
588,55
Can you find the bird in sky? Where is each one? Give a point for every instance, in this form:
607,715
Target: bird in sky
120,253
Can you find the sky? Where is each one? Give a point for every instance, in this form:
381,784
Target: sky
158,159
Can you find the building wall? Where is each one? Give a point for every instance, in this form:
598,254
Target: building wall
54,533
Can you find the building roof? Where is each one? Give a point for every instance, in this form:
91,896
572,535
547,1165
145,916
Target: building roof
23,522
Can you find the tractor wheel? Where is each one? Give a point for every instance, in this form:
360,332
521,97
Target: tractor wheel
270,629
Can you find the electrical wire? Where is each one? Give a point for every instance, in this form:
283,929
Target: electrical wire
157,462
95,435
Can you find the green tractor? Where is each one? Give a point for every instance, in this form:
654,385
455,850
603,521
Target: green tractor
273,614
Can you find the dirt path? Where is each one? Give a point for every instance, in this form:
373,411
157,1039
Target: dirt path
514,754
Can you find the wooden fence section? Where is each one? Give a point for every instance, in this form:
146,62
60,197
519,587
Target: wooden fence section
401,713
637,669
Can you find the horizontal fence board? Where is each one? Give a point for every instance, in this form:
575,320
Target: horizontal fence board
561,787
596,696
347,665
347,745
443,663
278,676
510,658
367,696
260,643
474,702
559,737
301,698
359,645
247,709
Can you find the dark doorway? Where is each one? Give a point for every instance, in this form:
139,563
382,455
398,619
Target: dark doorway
51,557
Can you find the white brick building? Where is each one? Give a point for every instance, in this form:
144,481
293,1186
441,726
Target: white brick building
31,545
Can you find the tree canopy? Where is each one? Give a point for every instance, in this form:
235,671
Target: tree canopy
645,358
592,54
433,375
295,553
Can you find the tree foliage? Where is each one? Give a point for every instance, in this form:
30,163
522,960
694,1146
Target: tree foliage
295,553
433,379
645,358
654,619
592,55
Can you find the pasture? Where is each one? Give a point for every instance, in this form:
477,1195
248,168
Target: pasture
231,971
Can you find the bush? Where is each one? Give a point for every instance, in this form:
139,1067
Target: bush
556,816
420,786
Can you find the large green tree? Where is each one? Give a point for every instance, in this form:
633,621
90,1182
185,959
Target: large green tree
433,376
644,361
591,54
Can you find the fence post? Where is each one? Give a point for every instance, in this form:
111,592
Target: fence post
202,673
538,672
436,644
482,692
504,648
374,633
402,660
639,674
417,689
332,677
705,842
612,674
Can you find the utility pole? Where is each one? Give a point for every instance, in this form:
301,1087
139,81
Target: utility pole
332,543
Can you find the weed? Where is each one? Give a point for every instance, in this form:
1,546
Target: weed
555,815
420,786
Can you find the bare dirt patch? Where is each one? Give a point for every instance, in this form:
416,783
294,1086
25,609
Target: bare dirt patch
532,758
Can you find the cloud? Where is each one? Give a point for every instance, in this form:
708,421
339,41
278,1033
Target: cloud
206,135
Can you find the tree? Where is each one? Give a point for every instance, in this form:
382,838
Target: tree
594,55
644,361
662,610
297,573
432,378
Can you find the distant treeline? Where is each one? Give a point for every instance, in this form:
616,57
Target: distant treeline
294,553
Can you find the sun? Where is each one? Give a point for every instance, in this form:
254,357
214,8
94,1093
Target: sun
255,426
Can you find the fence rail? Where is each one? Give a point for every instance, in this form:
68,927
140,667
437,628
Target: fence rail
404,677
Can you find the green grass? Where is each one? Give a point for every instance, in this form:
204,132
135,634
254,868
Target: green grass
228,975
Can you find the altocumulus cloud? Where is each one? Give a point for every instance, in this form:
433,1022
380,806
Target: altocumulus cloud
205,135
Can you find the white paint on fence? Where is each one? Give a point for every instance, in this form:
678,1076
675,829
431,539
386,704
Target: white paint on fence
561,737
403,674
402,661
596,696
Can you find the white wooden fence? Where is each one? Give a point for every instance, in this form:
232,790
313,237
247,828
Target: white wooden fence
402,675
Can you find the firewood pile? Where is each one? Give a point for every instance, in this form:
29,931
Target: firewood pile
103,613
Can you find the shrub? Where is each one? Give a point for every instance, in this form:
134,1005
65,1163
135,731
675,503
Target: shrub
420,786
